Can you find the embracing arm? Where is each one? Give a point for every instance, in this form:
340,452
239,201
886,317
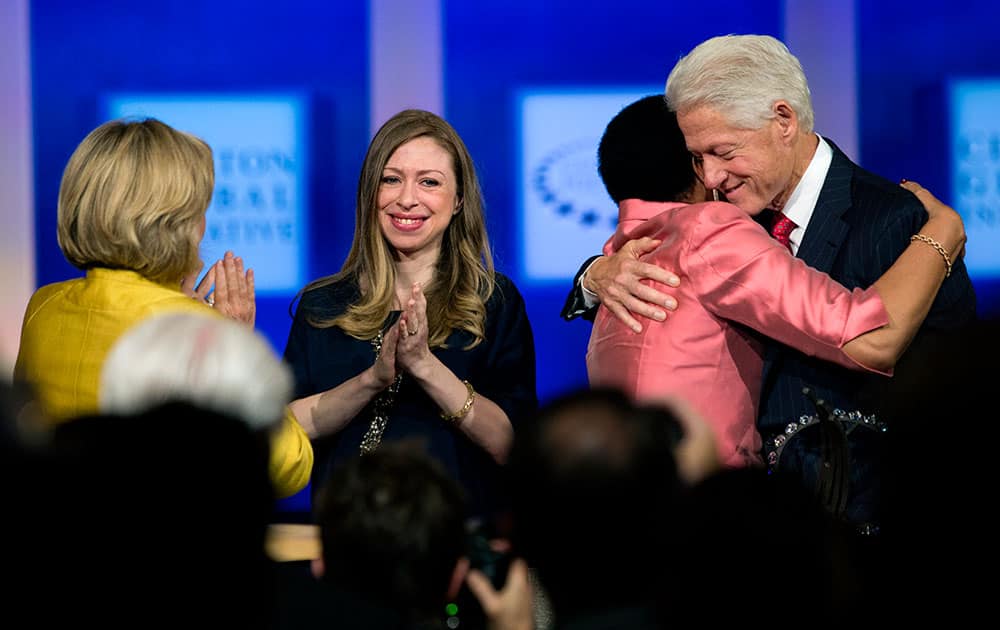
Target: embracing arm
908,289
615,280
745,276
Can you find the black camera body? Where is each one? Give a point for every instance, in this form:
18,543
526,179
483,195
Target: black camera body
465,612
482,556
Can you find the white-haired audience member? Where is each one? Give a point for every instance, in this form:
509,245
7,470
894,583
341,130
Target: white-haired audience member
210,362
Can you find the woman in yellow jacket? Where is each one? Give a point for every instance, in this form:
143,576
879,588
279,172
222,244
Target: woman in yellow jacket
131,213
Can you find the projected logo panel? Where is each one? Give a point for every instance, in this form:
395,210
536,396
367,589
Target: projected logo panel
258,209
566,214
975,138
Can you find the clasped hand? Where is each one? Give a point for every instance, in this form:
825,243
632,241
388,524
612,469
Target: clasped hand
226,287
404,345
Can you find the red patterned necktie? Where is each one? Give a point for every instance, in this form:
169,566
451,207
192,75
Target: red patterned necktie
782,229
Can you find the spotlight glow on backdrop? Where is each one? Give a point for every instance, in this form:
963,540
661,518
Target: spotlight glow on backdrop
258,209
975,164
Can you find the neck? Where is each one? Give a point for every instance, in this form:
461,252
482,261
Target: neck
802,155
415,267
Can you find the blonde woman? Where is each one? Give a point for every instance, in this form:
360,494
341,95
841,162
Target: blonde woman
417,335
131,213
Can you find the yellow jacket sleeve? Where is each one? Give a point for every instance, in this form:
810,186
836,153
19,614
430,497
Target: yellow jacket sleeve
291,457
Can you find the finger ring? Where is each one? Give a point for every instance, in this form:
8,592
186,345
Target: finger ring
210,301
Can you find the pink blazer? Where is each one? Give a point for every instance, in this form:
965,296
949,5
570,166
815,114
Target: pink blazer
733,274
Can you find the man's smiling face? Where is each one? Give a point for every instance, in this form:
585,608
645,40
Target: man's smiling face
753,168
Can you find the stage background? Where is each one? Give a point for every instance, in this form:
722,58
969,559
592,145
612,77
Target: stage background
888,67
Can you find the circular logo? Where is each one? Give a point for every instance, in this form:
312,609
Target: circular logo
566,181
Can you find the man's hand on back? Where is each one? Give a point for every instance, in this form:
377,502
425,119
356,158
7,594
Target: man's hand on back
617,282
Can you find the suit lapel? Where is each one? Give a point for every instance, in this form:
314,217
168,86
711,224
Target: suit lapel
824,235
827,229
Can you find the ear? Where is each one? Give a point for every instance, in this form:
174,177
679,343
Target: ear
787,119
458,206
457,577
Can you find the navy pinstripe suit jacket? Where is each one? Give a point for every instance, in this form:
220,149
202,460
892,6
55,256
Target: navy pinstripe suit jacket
861,224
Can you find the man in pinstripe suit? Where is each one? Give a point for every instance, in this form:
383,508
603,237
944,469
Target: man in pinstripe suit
744,107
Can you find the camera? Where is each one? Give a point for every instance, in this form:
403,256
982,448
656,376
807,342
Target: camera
465,612
483,556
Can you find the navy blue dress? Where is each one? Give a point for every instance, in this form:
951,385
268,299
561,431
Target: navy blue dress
501,368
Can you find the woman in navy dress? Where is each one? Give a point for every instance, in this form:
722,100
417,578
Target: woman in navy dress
417,336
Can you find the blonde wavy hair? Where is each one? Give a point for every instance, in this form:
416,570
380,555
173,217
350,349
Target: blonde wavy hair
464,274
133,196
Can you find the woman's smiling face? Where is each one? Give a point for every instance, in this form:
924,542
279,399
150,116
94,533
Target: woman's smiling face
417,197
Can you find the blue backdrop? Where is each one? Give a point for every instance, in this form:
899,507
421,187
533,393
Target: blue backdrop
493,51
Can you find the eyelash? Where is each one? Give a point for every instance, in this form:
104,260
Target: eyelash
392,179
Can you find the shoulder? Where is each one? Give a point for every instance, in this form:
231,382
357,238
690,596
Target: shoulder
147,296
51,291
504,290
45,296
506,304
179,303
503,283
719,212
878,193
714,221
874,200
329,300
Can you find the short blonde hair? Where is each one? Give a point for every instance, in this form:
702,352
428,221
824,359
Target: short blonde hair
133,196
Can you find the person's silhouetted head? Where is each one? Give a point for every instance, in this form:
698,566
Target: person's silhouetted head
593,487
392,529
161,514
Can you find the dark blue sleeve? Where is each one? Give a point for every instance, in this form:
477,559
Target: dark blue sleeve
297,354
575,305
510,376
955,304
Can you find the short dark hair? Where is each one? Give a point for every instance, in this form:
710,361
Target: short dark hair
642,154
593,481
392,527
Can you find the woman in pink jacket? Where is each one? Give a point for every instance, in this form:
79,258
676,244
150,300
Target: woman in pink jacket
736,277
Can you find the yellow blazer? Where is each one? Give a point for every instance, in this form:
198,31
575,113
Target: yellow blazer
69,328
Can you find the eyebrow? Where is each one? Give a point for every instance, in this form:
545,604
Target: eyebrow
421,172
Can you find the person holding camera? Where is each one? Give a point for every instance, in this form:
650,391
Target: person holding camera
397,547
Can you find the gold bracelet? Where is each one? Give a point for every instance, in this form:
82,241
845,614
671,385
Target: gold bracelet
926,239
464,411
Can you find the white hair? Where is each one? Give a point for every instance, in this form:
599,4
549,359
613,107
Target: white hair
208,361
741,77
